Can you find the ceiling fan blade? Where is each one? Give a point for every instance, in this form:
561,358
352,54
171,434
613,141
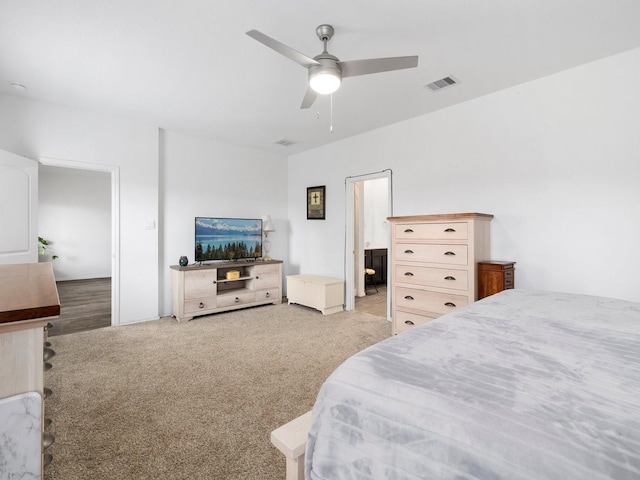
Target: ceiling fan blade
354,68
299,58
309,97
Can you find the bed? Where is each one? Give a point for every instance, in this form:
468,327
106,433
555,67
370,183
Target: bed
520,385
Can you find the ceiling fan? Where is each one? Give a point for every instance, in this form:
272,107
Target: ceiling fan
326,71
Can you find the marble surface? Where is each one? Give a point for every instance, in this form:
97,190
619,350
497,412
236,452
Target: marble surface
21,437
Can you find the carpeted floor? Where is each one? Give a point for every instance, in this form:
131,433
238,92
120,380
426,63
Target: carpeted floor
194,400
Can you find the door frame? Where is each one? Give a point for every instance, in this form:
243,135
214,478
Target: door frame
114,171
350,226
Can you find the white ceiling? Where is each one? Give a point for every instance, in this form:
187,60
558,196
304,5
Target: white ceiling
188,65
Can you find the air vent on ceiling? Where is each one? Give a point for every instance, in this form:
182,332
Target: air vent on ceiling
284,142
442,83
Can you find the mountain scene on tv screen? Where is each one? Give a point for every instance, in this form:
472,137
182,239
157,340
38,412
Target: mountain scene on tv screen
228,239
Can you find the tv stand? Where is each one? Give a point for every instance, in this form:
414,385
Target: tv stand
211,288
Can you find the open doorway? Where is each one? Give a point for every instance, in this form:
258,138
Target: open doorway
78,215
368,204
371,250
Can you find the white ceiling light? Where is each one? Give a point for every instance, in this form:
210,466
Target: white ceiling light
325,80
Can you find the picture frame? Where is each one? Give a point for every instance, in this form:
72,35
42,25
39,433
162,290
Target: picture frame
316,201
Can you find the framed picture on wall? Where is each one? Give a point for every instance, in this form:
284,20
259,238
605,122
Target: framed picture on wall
316,203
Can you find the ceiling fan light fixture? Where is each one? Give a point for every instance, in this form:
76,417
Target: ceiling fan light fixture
325,80
325,70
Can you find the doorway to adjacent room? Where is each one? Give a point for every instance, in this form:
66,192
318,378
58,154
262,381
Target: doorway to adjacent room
89,282
368,204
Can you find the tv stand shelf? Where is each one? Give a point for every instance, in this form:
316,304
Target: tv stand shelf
227,280
203,289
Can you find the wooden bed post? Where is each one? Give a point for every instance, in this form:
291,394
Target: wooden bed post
291,439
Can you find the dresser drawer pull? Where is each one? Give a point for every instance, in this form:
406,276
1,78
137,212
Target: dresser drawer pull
201,305
408,251
408,274
237,300
47,440
450,230
449,253
450,304
408,297
408,322
267,295
408,230
449,277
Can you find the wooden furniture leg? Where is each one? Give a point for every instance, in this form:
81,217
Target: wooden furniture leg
291,439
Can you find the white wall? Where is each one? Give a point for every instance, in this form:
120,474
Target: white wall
555,160
35,130
74,215
201,177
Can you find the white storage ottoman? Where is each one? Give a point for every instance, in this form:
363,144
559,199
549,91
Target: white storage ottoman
322,293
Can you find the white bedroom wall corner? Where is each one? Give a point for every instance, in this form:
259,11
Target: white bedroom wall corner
115,246
18,209
164,276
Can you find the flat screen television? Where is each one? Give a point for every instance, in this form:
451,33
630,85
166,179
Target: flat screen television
227,238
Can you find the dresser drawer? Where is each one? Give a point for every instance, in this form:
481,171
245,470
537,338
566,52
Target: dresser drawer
231,299
432,277
403,321
430,253
199,305
428,301
508,279
432,231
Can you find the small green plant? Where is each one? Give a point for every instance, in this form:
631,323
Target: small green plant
42,248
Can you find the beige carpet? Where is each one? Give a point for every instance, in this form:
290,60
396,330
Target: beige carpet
194,400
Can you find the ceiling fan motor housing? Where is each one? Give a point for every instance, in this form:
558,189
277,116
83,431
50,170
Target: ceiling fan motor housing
324,32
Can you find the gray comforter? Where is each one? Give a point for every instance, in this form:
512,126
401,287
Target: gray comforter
520,385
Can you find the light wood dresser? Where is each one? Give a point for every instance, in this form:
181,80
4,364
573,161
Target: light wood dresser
434,264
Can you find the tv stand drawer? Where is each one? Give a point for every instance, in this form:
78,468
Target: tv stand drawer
269,294
199,306
231,299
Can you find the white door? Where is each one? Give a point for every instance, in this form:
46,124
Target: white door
18,209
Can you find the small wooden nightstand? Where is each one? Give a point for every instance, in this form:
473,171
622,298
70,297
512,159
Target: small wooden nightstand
494,277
